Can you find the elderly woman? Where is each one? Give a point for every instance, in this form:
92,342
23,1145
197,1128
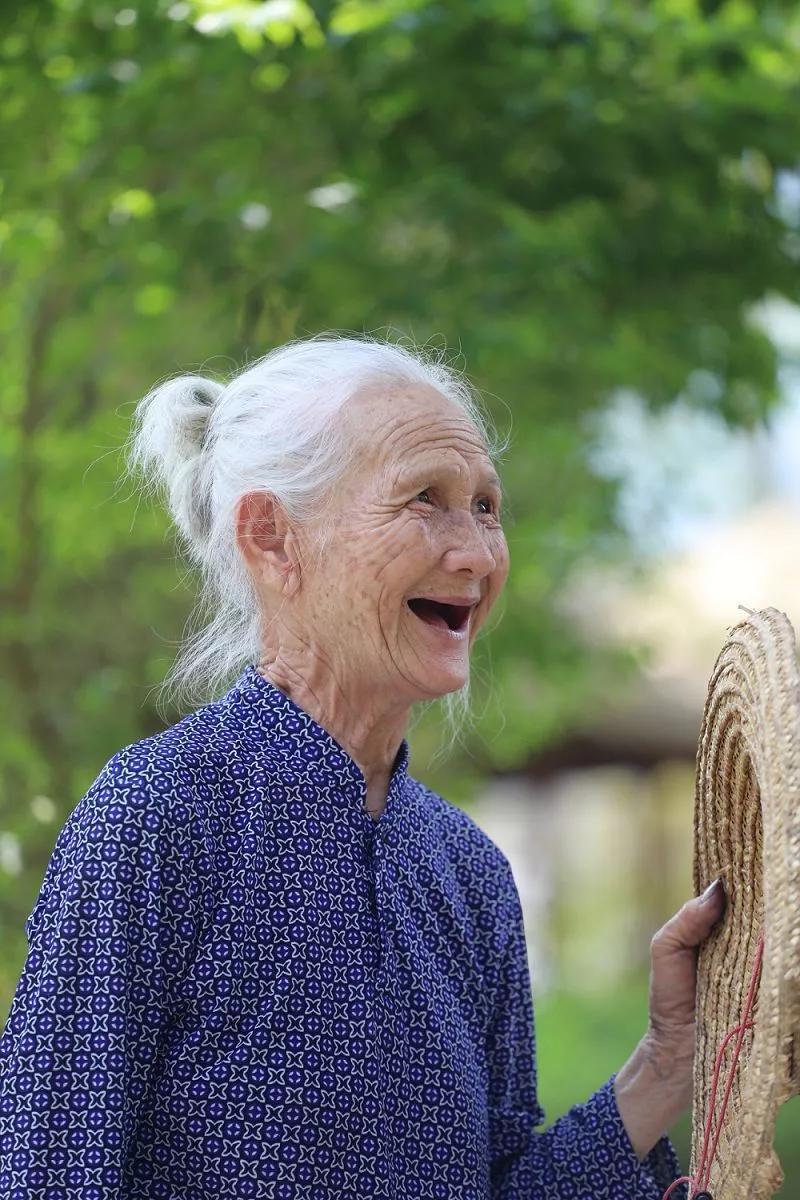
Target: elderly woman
266,962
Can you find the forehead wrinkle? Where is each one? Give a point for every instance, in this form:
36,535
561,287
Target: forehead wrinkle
389,441
434,458
451,436
439,425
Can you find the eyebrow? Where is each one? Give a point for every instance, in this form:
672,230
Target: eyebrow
415,474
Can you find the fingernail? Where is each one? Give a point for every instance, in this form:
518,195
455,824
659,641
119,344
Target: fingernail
712,891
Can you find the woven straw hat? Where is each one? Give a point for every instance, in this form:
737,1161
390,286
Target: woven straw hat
747,829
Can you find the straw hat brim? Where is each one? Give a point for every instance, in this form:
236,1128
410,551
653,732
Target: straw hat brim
747,829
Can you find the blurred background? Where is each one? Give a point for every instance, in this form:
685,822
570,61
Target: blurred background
595,207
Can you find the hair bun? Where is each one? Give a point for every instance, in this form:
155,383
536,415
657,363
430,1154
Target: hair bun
191,408
171,428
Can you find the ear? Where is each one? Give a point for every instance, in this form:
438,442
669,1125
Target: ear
267,541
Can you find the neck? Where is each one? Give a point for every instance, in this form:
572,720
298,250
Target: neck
369,734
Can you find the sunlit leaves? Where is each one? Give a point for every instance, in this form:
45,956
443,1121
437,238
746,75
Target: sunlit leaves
131,204
280,21
361,16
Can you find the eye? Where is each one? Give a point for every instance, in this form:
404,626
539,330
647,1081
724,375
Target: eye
490,510
492,507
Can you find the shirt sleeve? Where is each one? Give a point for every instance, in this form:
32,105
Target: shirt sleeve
585,1154
109,940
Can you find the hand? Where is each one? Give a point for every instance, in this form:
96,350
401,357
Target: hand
654,1087
673,984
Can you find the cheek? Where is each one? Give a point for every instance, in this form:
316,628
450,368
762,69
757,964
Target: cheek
386,555
502,558
498,577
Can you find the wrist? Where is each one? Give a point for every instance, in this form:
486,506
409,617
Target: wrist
672,1060
652,1090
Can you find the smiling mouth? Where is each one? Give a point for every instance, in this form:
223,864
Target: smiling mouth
454,617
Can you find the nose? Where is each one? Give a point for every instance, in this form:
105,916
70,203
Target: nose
468,548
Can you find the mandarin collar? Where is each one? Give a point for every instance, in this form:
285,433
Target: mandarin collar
295,736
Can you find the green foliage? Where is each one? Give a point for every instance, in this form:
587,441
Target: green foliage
574,196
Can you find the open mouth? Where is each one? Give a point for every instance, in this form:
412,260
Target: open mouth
454,617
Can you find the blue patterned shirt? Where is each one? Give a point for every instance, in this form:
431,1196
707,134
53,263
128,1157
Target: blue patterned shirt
241,985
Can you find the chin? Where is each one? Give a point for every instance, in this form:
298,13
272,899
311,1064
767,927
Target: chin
441,682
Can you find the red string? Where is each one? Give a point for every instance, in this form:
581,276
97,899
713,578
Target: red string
700,1182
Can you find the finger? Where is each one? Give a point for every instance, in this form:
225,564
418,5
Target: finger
693,921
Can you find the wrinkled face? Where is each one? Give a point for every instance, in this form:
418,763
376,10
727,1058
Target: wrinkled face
416,517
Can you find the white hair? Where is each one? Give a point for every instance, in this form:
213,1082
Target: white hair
274,426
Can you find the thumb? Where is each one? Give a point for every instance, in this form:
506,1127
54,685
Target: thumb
708,908
674,958
693,921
